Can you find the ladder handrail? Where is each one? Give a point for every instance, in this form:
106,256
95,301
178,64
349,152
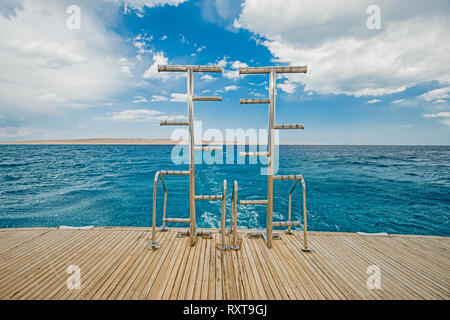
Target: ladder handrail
305,224
154,244
234,213
233,220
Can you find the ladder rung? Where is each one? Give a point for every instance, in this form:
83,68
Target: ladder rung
254,154
177,220
207,197
285,223
288,177
175,173
208,148
249,202
174,123
289,126
253,101
178,68
258,70
207,98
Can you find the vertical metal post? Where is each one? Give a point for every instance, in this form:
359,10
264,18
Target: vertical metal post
272,98
224,208
232,211
190,102
235,187
289,212
305,223
154,244
163,228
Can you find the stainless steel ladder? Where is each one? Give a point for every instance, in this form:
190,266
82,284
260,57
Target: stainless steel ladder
269,235
192,232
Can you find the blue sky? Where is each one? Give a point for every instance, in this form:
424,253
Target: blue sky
364,86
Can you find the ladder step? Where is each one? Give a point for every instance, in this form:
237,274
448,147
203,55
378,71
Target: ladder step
180,68
288,177
289,126
249,202
174,123
175,173
207,98
254,154
177,220
253,101
260,70
209,148
209,197
285,223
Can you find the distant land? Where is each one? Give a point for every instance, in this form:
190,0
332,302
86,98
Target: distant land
108,141
96,141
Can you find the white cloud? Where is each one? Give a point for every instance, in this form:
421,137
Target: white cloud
45,67
9,133
343,55
374,101
200,49
126,70
140,115
437,115
140,99
445,115
231,88
399,101
142,42
156,98
159,58
139,5
178,97
287,86
81,126
208,77
234,65
164,37
437,95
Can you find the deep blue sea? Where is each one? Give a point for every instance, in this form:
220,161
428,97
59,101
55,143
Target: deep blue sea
394,189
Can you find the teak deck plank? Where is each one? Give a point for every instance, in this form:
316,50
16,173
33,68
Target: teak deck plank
116,263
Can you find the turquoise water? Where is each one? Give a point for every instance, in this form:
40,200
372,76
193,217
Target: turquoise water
394,189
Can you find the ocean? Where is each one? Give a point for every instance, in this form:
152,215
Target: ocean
394,189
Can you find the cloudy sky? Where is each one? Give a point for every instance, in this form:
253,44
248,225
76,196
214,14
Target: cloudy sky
369,81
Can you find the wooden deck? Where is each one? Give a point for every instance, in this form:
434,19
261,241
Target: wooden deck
115,263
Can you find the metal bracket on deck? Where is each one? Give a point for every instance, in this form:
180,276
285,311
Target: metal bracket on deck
199,233
153,245
255,235
205,234
183,234
275,236
305,249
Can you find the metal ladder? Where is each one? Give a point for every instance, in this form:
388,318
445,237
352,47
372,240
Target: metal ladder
233,221
269,235
192,232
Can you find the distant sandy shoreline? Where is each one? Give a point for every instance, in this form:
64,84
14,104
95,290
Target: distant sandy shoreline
97,141
106,141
